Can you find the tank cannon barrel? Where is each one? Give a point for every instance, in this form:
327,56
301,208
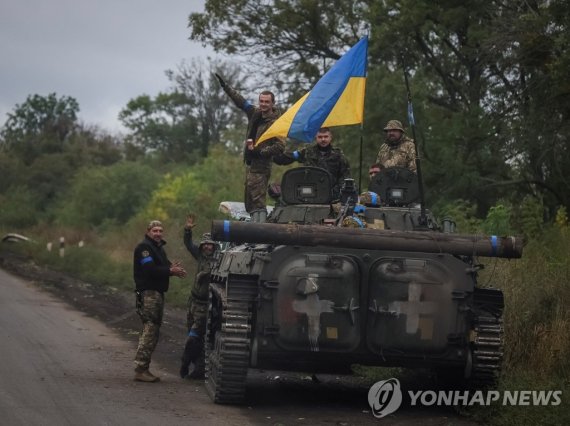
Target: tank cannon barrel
371,239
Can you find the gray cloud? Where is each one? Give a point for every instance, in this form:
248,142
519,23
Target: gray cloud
102,52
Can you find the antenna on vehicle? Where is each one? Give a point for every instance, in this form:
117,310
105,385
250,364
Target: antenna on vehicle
412,121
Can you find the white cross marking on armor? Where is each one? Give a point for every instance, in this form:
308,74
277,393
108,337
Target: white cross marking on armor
312,306
413,307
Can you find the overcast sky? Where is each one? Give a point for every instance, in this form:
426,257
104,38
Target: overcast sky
100,52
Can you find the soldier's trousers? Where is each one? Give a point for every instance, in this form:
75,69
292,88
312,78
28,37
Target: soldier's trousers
150,308
196,321
196,316
255,190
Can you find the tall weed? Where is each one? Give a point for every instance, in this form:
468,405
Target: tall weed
537,312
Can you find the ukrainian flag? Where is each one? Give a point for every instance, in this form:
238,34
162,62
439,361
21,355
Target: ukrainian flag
336,100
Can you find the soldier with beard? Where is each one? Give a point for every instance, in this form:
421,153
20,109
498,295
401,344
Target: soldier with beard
398,150
152,271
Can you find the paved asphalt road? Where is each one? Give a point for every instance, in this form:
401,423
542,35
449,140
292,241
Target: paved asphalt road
60,367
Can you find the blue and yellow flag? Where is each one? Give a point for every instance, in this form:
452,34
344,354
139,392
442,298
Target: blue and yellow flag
336,100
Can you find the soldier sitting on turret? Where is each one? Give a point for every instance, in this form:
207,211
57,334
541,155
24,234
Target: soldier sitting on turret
398,150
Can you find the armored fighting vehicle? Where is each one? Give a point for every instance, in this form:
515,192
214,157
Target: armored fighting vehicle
322,286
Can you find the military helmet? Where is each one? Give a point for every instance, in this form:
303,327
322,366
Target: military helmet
369,198
353,222
394,125
207,239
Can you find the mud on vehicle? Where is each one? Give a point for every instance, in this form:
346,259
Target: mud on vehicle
324,285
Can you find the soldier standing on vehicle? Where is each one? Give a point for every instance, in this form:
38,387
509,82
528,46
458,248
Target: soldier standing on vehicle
197,302
398,150
258,158
152,271
322,154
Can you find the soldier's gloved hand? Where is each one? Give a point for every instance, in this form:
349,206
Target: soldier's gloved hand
221,80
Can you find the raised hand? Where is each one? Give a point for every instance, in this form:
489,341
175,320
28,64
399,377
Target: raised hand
190,221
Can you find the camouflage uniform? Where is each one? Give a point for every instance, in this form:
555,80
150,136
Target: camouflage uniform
260,159
151,269
150,309
400,153
197,312
329,158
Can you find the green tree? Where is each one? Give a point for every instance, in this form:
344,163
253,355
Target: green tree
91,146
534,42
218,178
296,36
107,195
48,177
462,212
498,220
529,217
19,208
38,126
12,171
42,146
183,123
211,107
163,124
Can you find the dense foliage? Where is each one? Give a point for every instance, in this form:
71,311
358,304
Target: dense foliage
489,80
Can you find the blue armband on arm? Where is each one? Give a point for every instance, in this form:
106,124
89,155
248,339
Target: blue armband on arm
247,106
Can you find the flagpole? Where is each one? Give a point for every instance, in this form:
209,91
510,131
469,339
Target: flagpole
362,123
360,165
412,121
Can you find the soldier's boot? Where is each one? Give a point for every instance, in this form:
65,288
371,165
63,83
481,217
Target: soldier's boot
199,369
143,375
186,359
259,216
191,353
